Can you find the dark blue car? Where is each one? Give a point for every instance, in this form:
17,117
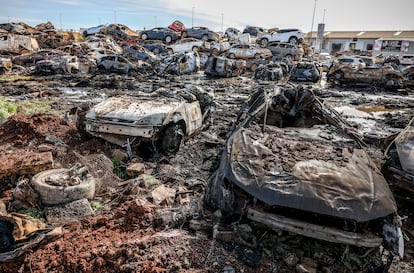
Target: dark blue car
154,46
159,33
202,33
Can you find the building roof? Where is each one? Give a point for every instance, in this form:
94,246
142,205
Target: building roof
385,35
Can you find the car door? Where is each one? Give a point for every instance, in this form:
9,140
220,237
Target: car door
194,117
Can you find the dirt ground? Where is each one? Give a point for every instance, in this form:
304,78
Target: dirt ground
132,232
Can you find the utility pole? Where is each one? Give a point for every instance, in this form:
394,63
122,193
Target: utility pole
313,19
192,17
323,18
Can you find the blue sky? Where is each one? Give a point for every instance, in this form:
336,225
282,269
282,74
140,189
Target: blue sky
137,14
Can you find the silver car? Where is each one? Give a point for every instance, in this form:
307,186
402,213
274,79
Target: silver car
242,51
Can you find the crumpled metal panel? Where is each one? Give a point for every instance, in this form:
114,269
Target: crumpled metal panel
404,143
350,188
128,109
290,150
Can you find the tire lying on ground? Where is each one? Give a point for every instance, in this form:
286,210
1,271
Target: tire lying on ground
60,186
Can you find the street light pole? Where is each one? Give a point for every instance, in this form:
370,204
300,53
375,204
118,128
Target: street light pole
192,17
313,19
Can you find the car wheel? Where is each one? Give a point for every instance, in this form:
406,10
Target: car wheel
204,37
172,137
168,39
85,33
393,81
293,40
215,52
338,75
54,186
184,34
101,69
60,71
289,57
144,36
263,42
170,51
156,50
195,49
232,56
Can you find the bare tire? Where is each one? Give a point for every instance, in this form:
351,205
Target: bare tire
215,52
338,75
263,42
52,192
144,36
232,56
195,49
171,140
168,39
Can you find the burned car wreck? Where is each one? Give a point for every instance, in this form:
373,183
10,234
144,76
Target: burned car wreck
162,118
291,163
399,165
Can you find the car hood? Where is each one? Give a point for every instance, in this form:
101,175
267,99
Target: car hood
340,182
131,109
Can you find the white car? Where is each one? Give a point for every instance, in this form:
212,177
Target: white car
293,36
188,45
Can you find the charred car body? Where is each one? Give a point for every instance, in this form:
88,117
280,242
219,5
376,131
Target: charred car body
399,166
305,71
224,67
290,163
378,76
163,118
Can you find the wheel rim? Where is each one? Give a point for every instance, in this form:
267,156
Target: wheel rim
232,56
263,42
195,49
144,36
293,40
168,39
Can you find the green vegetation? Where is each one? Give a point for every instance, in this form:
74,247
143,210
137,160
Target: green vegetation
96,205
35,212
6,109
119,169
27,107
14,78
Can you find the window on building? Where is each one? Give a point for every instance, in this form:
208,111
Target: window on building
336,47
